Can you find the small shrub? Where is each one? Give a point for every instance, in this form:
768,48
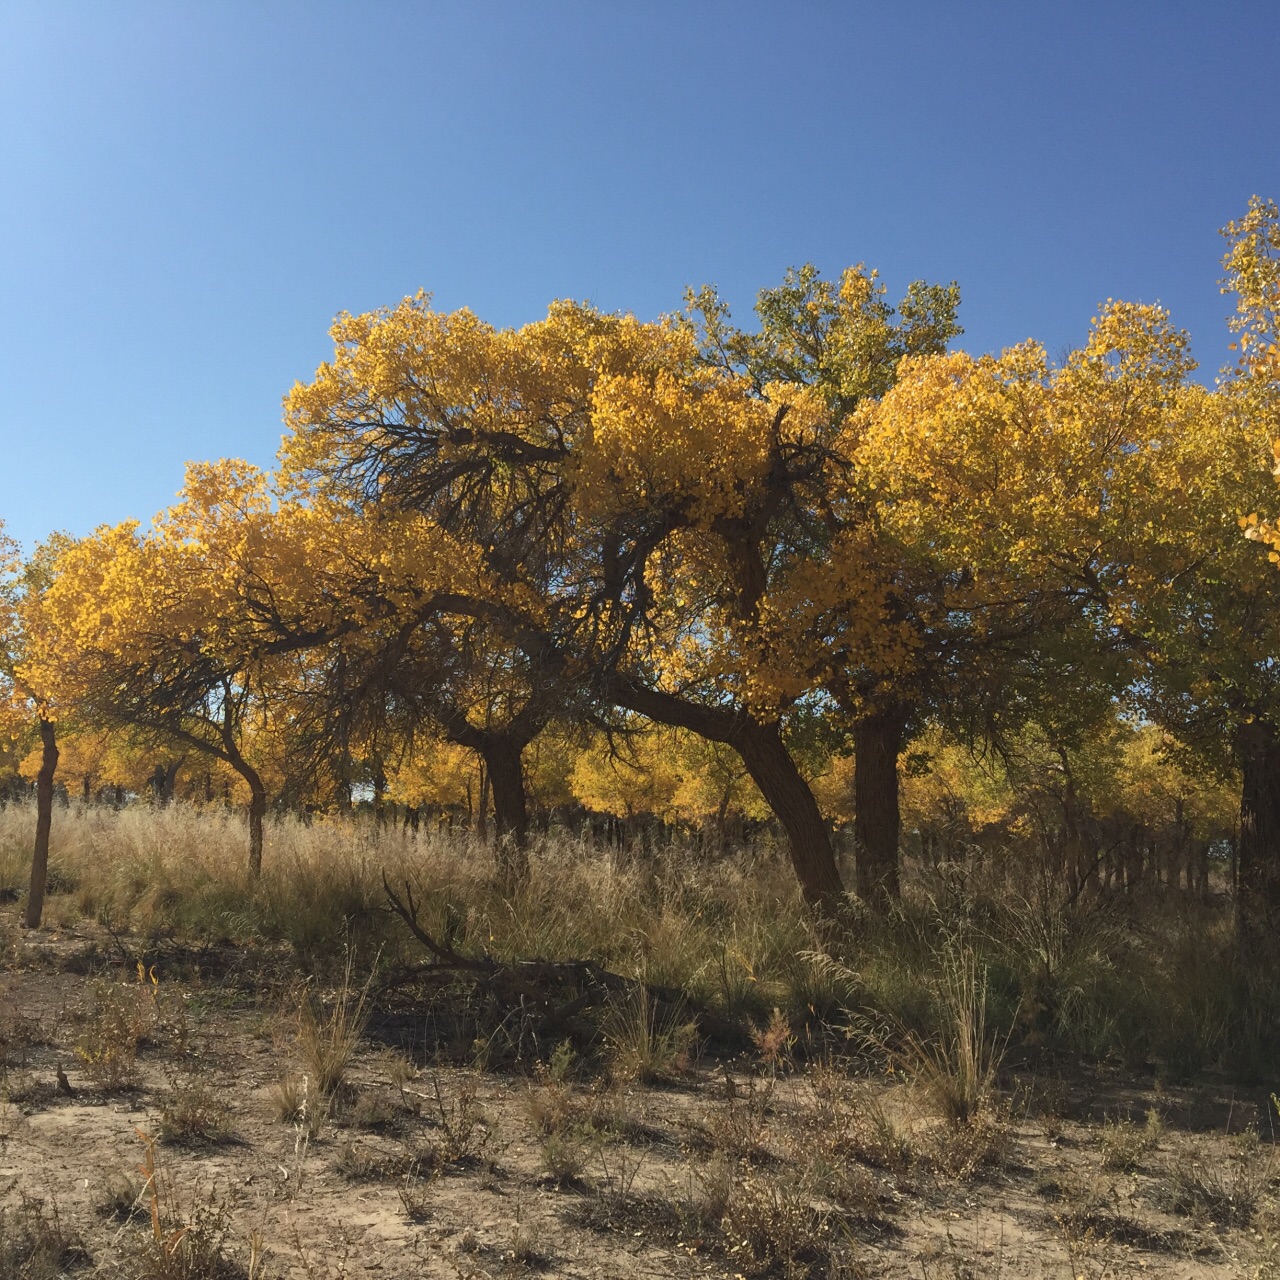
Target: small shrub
524,1243
772,1224
120,1196
551,1105
401,1072
358,1163
738,1127
181,1241
193,1113
563,1154
415,1194
1223,1190
119,1018
462,1130
34,1244
855,1123
964,1150
619,1169
702,1206
374,1111
1125,1145
642,1046
775,1041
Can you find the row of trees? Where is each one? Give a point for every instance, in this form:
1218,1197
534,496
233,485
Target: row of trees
818,539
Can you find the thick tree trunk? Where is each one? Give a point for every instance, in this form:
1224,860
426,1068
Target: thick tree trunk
877,822
257,808
44,821
257,813
1258,855
501,751
482,809
788,795
510,810
762,751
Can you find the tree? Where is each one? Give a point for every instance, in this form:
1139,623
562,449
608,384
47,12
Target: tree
22,597
149,632
567,454
1007,495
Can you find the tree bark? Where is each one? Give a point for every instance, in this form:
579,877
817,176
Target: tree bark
510,809
482,809
1258,854
788,795
257,812
762,751
877,821
257,803
44,821
501,751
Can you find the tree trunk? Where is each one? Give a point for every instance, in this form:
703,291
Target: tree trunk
482,809
257,808
1258,855
788,795
510,811
44,820
877,822
257,812
765,756
379,796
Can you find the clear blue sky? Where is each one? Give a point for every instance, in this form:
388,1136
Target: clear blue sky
190,191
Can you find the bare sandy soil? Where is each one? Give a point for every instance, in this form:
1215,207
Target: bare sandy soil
207,1137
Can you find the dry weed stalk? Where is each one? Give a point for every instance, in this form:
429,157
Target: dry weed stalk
327,1042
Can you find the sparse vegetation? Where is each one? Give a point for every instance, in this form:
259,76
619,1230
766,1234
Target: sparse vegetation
790,1146
194,1112
34,1242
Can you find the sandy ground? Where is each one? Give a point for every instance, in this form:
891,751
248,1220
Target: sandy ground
423,1171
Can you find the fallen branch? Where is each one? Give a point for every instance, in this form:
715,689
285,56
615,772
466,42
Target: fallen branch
558,992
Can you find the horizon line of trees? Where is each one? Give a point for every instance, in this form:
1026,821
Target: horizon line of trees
831,537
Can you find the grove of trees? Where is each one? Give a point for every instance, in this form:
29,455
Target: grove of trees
826,572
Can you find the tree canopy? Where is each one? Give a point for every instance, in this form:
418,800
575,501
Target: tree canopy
730,560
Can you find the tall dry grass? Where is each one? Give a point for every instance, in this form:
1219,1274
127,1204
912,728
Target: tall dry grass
727,931
1150,982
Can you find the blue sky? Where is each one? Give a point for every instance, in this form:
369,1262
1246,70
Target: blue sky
191,191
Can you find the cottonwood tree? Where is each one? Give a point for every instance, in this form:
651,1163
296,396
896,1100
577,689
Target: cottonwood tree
26,696
150,631
567,453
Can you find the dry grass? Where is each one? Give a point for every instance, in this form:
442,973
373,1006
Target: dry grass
327,1039
120,1016
184,1239
773,1167
1125,1145
194,1113
956,1068
643,1045
34,1242
1217,1188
